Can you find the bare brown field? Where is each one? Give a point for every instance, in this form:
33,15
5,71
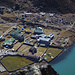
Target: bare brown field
40,51
51,52
24,49
16,46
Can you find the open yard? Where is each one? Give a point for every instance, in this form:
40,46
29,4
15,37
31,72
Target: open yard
8,15
40,51
1,44
67,34
30,29
3,28
21,26
48,31
11,30
8,36
51,53
15,62
4,73
31,40
16,46
24,49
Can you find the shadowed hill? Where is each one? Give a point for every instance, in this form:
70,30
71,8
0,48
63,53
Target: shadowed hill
63,6
7,3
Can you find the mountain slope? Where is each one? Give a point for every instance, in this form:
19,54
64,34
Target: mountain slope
63,6
7,3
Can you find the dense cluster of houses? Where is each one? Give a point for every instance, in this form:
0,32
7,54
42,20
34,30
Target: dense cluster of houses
16,35
45,18
41,38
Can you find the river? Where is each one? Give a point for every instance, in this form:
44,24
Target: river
67,65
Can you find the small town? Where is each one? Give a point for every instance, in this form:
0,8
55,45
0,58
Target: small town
33,38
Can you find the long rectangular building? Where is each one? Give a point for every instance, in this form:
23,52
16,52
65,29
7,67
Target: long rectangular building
45,41
17,35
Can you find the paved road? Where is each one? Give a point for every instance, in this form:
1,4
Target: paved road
5,52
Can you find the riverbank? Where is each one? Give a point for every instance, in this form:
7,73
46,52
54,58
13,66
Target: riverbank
62,56
67,65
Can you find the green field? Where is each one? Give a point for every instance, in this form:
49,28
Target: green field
15,62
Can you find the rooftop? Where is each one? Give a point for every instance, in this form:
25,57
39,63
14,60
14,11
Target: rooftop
44,39
9,41
42,35
38,31
14,32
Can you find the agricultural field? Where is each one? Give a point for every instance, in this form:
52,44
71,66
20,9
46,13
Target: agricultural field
16,46
40,51
11,65
51,53
24,49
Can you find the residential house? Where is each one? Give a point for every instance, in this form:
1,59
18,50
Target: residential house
33,50
9,42
38,30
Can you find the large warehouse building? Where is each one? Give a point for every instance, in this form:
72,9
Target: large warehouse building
17,35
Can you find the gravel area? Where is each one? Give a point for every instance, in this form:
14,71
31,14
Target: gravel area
2,69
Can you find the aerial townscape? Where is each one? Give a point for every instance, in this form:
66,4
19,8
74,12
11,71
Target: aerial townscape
29,41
